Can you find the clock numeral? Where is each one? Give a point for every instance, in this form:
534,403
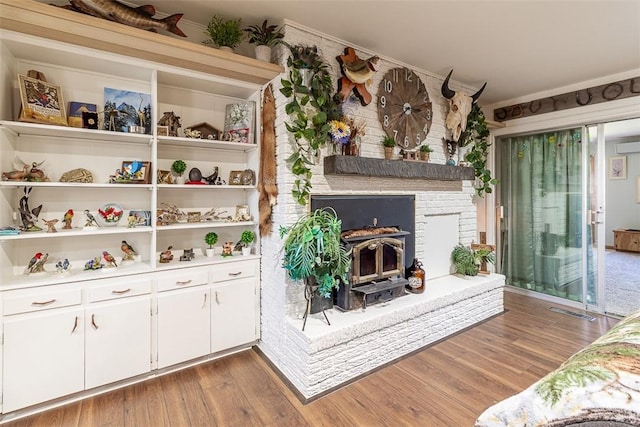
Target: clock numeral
418,140
388,86
406,141
428,114
395,134
408,75
395,75
385,121
383,101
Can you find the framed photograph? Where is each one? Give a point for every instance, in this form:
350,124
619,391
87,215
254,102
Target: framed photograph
76,110
618,167
41,102
239,122
235,177
165,177
162,130
193,217
124,109
136,172
140,218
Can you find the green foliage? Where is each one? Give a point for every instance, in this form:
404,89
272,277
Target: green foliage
426,148
247,237
313,248
224,32
266,35
179,166
388,141
211,239
467,261
310,109
475,137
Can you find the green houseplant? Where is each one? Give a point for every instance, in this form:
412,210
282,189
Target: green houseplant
178,167
474,138
246,239
210,239
224,32
425,152
313,251
467,261
389,143
264,37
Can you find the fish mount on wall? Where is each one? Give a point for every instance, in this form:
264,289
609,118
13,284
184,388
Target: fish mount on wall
593,95
357,72
139,17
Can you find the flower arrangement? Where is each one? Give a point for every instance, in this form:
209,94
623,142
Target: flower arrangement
340,131
111,213
357,126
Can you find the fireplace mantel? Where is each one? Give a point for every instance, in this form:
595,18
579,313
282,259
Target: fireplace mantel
366,166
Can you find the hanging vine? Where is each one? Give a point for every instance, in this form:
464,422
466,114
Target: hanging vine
475,137
311,107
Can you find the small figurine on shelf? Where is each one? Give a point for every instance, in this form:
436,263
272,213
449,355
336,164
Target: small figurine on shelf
51,225
227,249
211,179
16,175
111,261
36,174
129,252
187,255
90,223
166,256
67,219
28,216
63,267
93,264
36,264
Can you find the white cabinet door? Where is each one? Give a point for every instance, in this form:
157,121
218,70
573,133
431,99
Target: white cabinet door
43,357
184,325
118,340
233,314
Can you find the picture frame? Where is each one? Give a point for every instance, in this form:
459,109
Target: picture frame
239,122
141,218
162,130
142,176
248,177
42,102
165,177
124,109
618,167
193,217
76,112
235,177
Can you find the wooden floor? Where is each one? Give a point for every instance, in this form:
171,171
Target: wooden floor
447,384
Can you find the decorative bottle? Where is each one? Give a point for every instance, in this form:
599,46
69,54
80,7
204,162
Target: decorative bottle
415,275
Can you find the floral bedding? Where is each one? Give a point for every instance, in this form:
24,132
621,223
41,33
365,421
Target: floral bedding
598,386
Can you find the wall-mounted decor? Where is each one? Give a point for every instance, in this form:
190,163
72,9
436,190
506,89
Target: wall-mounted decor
356,73
618,167
41,101
124,108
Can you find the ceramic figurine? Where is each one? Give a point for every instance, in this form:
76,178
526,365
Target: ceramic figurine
227,249
211,179
187,255
63,267
36,264
16,175
93,264
36,174
51,225
166,256
111,261
28,216
67,219
129,252
91,220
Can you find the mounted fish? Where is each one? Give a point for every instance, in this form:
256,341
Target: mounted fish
139,17
357,73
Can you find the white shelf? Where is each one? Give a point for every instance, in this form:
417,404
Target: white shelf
205,187
75,233
201,260
209,224
50,131
205,143
74,185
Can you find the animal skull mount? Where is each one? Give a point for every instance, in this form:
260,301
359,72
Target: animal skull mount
459,107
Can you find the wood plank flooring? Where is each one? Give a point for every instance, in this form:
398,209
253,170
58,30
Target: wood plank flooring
447,384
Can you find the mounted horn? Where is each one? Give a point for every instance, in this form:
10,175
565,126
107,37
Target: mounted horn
476,95
446,92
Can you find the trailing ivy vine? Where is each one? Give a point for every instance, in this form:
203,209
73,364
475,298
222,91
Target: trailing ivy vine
475,137
311,107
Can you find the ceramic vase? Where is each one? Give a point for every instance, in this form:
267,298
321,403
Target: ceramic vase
263,53
210,252
246,251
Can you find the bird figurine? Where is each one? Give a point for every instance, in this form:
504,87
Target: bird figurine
16,175
32,263
166,256
211,179
67,219
91,220
93,264
62,266
129,252
51,225
357,72
111,261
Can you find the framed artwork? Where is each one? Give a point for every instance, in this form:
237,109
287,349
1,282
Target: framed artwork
136,172
124,109
193,217
76,110
140,218
162,130
239,122
618,167
165,177
41,102
235,177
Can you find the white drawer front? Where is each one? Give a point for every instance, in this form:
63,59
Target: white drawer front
234,270
114,289
25,301
182,278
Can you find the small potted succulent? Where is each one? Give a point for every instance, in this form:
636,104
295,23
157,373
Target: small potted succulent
246,239
178,167
425,152
264,37
210,239
226,34
389,144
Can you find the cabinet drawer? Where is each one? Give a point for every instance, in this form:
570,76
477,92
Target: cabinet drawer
182,278
118,289
26,301
234,270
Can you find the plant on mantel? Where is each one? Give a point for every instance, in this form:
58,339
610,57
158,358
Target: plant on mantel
311,107
475,138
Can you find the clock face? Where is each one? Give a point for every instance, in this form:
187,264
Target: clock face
404,108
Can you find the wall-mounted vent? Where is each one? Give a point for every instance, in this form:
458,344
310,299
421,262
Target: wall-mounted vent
628,147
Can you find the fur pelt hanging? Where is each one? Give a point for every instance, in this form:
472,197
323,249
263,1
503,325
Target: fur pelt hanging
267,185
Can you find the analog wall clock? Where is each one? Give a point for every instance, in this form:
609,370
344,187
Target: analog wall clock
404,108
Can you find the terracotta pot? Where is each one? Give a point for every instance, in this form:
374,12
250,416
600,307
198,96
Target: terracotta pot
424,156
388,153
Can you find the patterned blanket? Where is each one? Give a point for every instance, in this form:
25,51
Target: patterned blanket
598,386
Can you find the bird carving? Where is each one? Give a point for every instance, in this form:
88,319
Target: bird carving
67,218
111,261
32,263
166,256
129,252
91,220
357,72
17,175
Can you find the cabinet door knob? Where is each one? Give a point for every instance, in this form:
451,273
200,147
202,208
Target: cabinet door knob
41,303
186,282
124,291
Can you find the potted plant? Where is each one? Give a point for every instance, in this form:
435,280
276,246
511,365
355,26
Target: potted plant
178,167
389,144
264,37
467,261
224,33
313,253
425,152
246,239
210,239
